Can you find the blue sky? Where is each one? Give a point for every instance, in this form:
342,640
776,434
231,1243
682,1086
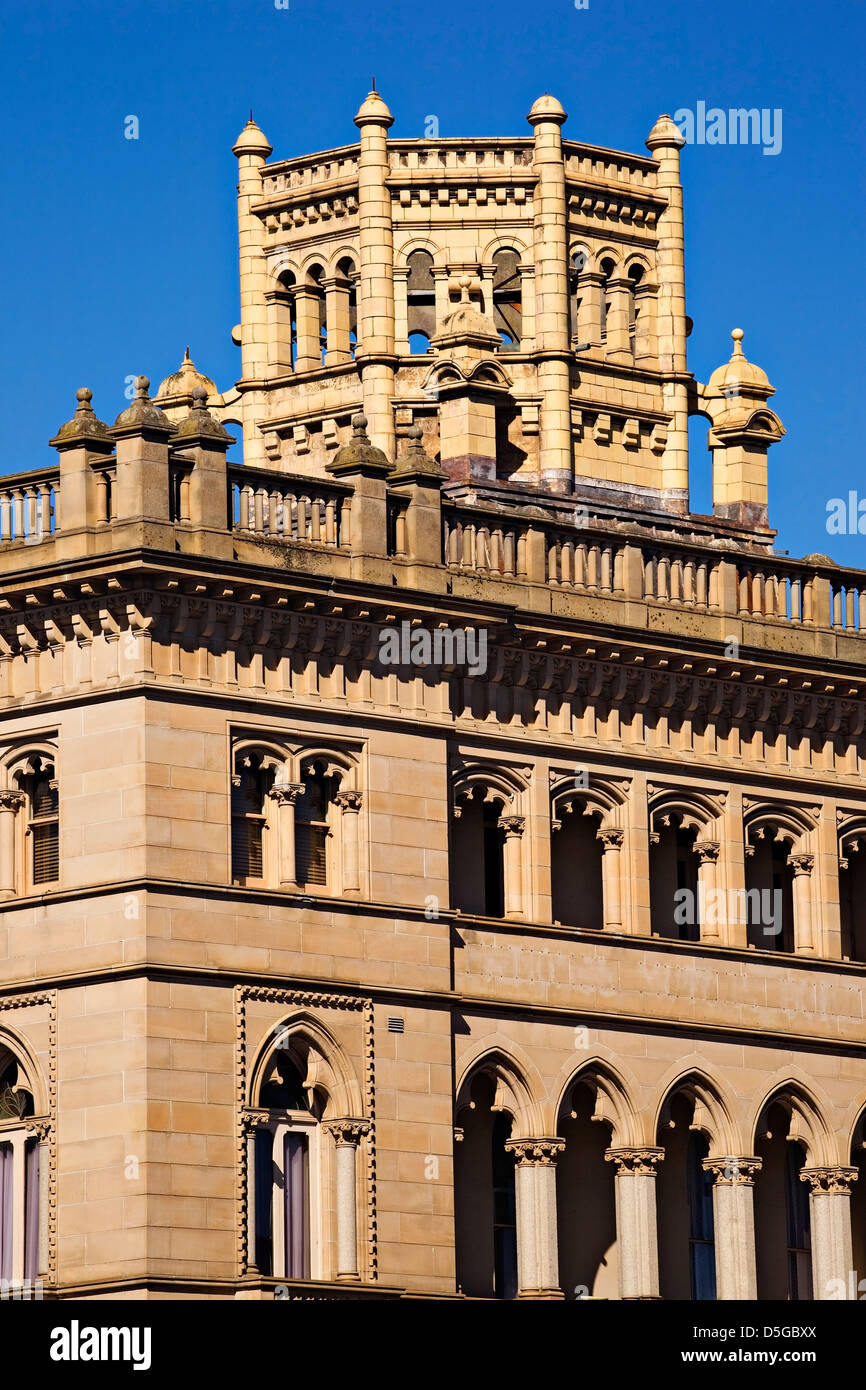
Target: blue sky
117,253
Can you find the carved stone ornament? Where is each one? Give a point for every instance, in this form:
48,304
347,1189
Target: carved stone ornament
540,1151
635,1162
733,1172
347,1133
829,1181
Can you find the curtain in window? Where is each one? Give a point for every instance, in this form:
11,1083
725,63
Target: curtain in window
31,1212
5,1211
297,1206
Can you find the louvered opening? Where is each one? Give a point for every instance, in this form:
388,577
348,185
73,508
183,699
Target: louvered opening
46,852
311,853
247,837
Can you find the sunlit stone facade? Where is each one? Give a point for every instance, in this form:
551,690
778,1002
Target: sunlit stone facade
429,852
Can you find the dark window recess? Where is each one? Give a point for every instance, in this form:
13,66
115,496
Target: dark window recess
507,298
247,838
264,1199
46,852
702,1250
311,854
494,867
504,1213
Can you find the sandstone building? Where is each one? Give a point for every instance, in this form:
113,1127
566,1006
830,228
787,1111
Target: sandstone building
430,854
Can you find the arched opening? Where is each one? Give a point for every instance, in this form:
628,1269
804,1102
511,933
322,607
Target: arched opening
19,1175
608,270
769,890
852,900
782,1234
283,1156
346,287
477,855
576,867
585,1200
312,825
251,783
674,898
39,785
421,297
635,275
576,305
507,299
700,466
484,1197
687,1256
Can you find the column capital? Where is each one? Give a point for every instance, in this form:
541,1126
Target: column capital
540,1152
733,1172
512,825
11,800
801,863
251,1120
286,793
611,838
635,1163
707,851
829,1181
347,1133
349,800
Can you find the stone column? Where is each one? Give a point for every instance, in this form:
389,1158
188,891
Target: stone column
537,1248
618,342
527,307
589,315
636,1231
337,321
284,795
308,327
401,310
279,305
251,1124
734,1226
612,841
830,1220
512,855
665,142
552,339
347,1135
804,941
375,354
708,852
11,802
349,803
645,345
441,292
251,150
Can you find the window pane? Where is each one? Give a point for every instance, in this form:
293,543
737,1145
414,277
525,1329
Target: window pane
264,1199
311,853
296,1169
5,1211
46,857
31,1212
247,861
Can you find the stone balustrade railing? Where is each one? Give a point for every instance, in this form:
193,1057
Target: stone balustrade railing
29,506
283,507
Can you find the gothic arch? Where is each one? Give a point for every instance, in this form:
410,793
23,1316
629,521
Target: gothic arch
519,1088
340,762
710,1117
496,782
18,762
274,756
605,795
614,1103
320,1058
14,1048
791,823
807,1124
697,810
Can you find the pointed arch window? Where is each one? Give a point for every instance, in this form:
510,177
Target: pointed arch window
312,825
20,1160
43,826
250,787
507,299
286,1149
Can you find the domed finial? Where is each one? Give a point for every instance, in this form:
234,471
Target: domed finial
142,386
464,284
84,396
665,134
199,396
738,335
359,424
374,112
416,434
547,108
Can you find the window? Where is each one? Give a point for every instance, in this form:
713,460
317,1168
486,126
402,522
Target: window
478,884
674,898
484,1196
286,1147
576,872
607,270
507,299
769,891
797,1219
421,296
19,1177
250,786
43,826
312,827
635,275
702,1250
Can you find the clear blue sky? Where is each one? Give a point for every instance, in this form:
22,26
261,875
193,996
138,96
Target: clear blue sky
118,253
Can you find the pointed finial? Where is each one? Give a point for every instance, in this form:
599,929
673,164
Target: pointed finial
251,116
374,85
